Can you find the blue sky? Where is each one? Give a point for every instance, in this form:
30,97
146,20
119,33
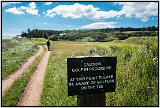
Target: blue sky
18,16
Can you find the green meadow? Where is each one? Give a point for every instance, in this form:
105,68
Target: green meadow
14,53
137,71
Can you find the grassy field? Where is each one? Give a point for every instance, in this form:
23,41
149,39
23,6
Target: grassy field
17,51
14,93
137,71
14,53
39,41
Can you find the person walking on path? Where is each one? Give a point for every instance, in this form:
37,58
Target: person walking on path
48,45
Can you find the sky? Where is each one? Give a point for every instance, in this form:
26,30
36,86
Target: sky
18,16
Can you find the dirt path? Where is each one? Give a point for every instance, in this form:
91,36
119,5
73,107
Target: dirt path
7,82
34,88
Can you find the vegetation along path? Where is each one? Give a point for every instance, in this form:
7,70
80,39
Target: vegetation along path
32,93
7,82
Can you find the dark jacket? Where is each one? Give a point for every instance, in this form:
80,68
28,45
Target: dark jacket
48,43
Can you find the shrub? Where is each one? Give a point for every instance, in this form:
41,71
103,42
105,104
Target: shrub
122,37
53,37
88,39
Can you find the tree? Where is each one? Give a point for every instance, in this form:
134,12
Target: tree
23,34
29,33
53,37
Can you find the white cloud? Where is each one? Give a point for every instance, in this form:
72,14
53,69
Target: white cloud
67,11
48,3
9,35
108,14
45,23
14,10
9,3
23,7
31,9
69,25
100,25
32,5
49,13
79,10
141,10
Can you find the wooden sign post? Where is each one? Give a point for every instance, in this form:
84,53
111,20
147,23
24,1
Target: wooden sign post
91,100
90,78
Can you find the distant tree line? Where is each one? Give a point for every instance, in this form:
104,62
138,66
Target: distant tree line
35,33
92,35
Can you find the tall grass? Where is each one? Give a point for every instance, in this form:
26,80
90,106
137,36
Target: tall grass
55,83
137,75
14,93
39,41
137,72
14,53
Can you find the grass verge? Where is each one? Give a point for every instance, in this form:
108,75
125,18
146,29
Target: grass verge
55,82
13,95
14,53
